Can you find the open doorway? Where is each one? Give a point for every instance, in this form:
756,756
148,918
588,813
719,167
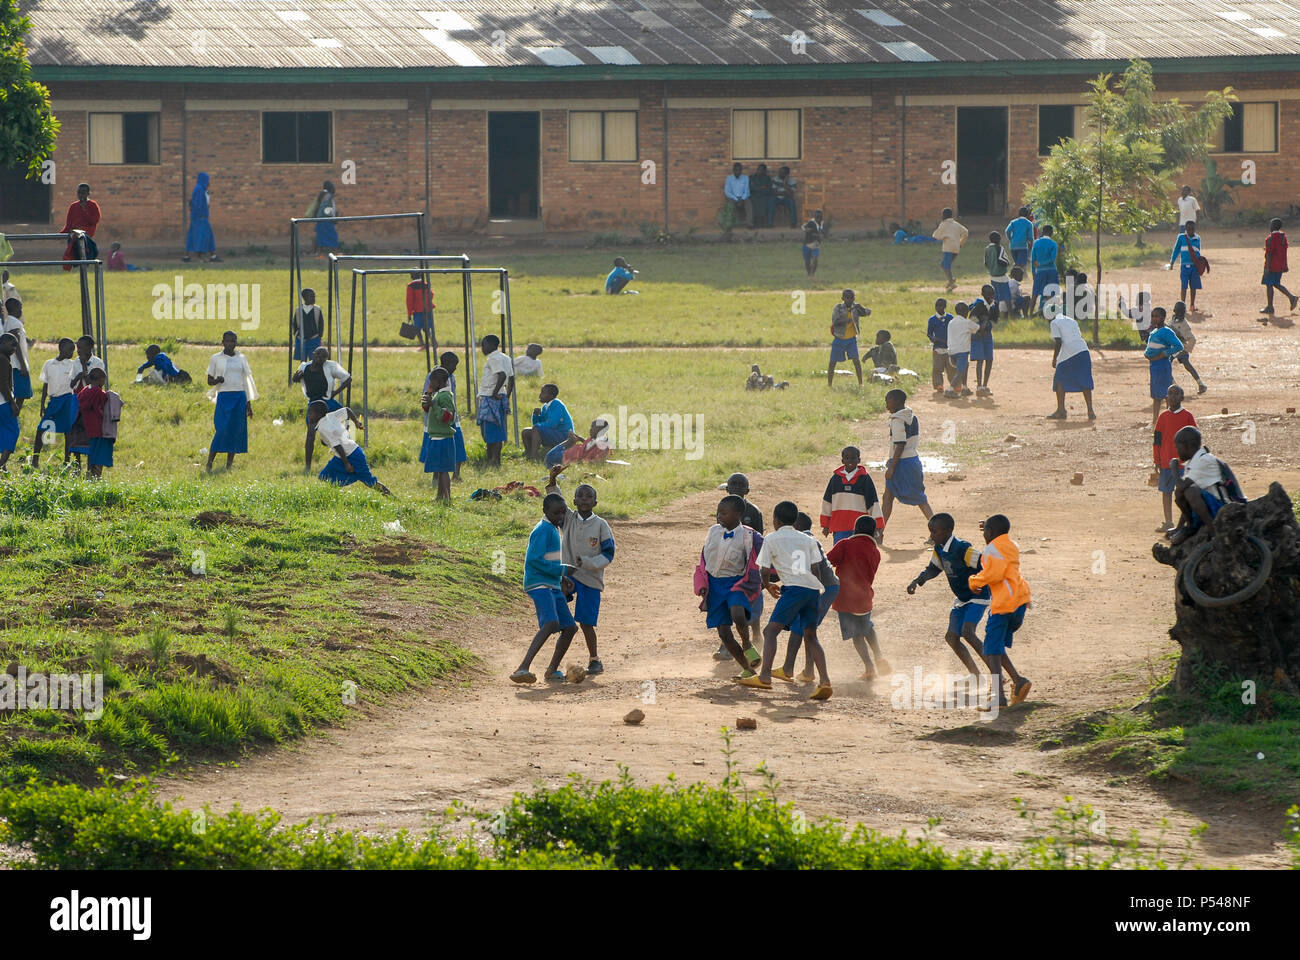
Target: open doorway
23,200
514,156
982,160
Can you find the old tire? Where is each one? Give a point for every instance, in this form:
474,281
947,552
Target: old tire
1201,598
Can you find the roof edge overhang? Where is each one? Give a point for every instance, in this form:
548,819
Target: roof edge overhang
605,74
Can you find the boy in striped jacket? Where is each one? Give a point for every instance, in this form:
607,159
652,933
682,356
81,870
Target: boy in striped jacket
849,494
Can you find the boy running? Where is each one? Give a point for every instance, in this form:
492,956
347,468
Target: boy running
1179,324
727,580
831,585
752,517
856,560
952,235
904,478
849,494
1163,450
1008,601
545,577
1275,247
588,548
1162,345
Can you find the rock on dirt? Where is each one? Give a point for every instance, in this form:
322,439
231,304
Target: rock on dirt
635,717
575,674
746,723
1077,479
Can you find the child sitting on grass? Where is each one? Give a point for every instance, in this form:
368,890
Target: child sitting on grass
620,277
727,580
160,367
1019,302
546,577
883,356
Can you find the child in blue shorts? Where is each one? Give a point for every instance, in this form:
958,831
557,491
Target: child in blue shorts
1008,601
958,560
728,581
1162,346
794,556
831,590
588,548
1205,486
546,577
58,402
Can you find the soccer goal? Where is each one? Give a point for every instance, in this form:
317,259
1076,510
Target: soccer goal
90,278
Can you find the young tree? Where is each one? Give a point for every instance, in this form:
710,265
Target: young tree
27,128
1118,175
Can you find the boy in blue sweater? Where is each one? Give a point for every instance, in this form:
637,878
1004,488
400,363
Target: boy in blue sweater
1188,247
160,367
546,581
552,423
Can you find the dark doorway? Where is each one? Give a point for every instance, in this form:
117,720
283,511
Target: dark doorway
982,160
514,145
23,200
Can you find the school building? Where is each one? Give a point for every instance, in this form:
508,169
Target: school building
604,115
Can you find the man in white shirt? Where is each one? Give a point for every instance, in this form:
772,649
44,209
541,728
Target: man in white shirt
736,190
529,365
952,235
494,390
348,463
1201,493
1072,363
321,379
1188,208
796,557
85,362
58,402
960,329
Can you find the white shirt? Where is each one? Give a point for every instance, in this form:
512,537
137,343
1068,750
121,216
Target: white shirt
11,293
725,556
898,424
1188,208
238,375
1203,470
335,373
959,333
1066,329
56,374
1014,284
527,366
793,553
15,326
94,363
333,431
496,363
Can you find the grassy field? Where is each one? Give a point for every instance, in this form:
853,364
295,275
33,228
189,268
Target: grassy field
737,294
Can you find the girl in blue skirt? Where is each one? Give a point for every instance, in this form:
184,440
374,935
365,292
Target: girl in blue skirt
439,449
233,391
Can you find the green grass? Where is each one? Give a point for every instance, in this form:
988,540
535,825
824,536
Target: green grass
737,294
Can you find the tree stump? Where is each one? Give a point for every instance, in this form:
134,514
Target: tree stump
1230,614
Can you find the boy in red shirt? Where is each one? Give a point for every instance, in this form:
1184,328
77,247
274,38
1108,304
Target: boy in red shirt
850,494
1162,448
1274,266
419,306
91,401
856,559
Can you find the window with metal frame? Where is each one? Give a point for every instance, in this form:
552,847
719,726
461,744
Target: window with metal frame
602,136
303,136
766,134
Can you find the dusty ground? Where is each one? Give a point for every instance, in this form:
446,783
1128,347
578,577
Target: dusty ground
1092,640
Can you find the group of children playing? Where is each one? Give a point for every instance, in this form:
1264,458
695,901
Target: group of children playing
960,338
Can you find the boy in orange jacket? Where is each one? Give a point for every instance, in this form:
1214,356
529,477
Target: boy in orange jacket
1008,601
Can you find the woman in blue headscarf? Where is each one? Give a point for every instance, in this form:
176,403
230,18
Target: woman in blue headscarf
327,235
200,241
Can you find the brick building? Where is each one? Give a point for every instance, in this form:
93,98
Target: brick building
608,114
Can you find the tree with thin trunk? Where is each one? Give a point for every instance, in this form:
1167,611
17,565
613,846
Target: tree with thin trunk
27,127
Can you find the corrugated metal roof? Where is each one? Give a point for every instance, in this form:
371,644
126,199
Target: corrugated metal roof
434,34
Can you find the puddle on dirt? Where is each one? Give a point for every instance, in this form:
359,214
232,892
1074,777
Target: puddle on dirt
928,464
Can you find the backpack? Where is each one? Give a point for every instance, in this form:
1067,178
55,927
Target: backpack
1230,484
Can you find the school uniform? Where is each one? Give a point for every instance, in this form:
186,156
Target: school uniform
907,483
960,331
308,325
543,571
790,552
856,560
849,495
91,403
958,561
1162,446
439,451
591,540
162,370
526,366
951,234
936,328
1008,593
1206,471
320,384
493,409
1188,276
1073,372
60,402
1018,300
553,422
617,279
419,304
981,341
1162,346
830,591
81,372
725,566
101,447
332,429
230,418
1042,255
1020,234
1275,248
8,425
22,381
459,434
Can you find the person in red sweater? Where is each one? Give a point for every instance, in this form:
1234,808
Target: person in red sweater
856,559
83,214
91,401
1274,266
849,494
419,307
1170,421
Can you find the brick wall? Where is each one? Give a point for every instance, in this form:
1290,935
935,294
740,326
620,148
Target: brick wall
857,152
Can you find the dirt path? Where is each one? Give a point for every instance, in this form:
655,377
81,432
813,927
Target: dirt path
1092,639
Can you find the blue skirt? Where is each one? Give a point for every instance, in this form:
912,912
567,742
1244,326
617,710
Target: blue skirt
438,454
336,474
908,482
493,432
330,403
461,455
981,348
101,451
22,385
1162,377
327,235
722,598
8,427
230,423
1075,374
200,238
60,411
